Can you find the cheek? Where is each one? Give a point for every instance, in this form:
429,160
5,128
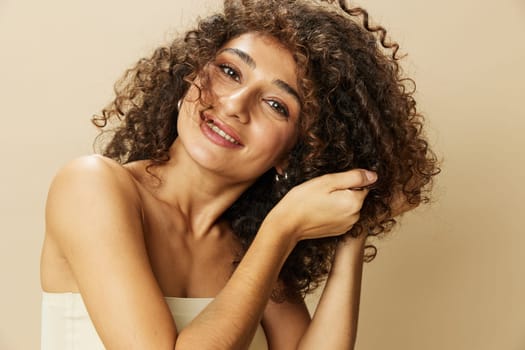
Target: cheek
278,142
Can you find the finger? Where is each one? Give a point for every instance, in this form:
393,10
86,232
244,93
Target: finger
351,201
357,199
363,188
355,179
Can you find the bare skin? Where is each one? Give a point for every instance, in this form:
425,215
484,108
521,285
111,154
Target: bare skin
124,241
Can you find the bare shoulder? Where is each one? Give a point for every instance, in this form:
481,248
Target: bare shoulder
94,170
90,188
91,177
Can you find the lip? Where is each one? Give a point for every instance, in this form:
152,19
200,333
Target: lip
224,127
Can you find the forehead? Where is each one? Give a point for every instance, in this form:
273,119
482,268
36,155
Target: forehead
269,55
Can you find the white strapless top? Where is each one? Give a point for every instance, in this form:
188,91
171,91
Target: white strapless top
66,324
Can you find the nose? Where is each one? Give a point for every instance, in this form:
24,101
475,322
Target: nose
236,104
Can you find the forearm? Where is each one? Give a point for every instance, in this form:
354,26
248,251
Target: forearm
334,324
230,321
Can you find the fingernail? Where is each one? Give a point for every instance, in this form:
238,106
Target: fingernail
370,175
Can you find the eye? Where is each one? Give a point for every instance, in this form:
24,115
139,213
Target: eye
230,72
278,107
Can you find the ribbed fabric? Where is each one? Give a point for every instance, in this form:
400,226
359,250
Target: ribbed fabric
66,324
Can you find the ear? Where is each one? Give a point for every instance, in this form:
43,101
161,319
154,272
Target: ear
281,166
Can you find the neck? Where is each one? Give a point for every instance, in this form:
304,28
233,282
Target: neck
199,195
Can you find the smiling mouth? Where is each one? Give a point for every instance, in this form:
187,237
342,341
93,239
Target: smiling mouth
221,132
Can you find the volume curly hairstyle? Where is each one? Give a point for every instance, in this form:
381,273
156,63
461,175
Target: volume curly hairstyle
358,111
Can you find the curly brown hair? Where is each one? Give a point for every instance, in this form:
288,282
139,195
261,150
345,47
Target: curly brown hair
358,112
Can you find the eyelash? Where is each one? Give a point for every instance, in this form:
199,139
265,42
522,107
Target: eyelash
228,70
281,109
232,73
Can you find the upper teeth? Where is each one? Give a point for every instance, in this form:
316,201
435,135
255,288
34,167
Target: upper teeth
220,132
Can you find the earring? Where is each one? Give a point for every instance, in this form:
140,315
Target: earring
179,103
279,177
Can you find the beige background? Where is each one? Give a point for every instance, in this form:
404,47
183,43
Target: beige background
451,277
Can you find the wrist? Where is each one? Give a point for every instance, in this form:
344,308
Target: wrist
280,231
358,242
351,249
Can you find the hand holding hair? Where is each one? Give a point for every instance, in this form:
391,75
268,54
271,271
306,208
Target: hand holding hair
325,206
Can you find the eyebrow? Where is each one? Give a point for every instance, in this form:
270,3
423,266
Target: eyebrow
251,63
242,55
284,86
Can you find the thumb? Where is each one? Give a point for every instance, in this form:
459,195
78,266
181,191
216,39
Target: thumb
355,179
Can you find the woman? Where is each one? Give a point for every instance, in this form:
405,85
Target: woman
233,183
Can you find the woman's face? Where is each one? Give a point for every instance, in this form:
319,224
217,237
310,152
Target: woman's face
251,124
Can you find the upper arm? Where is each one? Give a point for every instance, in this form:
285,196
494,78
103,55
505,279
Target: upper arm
94,215
285,323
